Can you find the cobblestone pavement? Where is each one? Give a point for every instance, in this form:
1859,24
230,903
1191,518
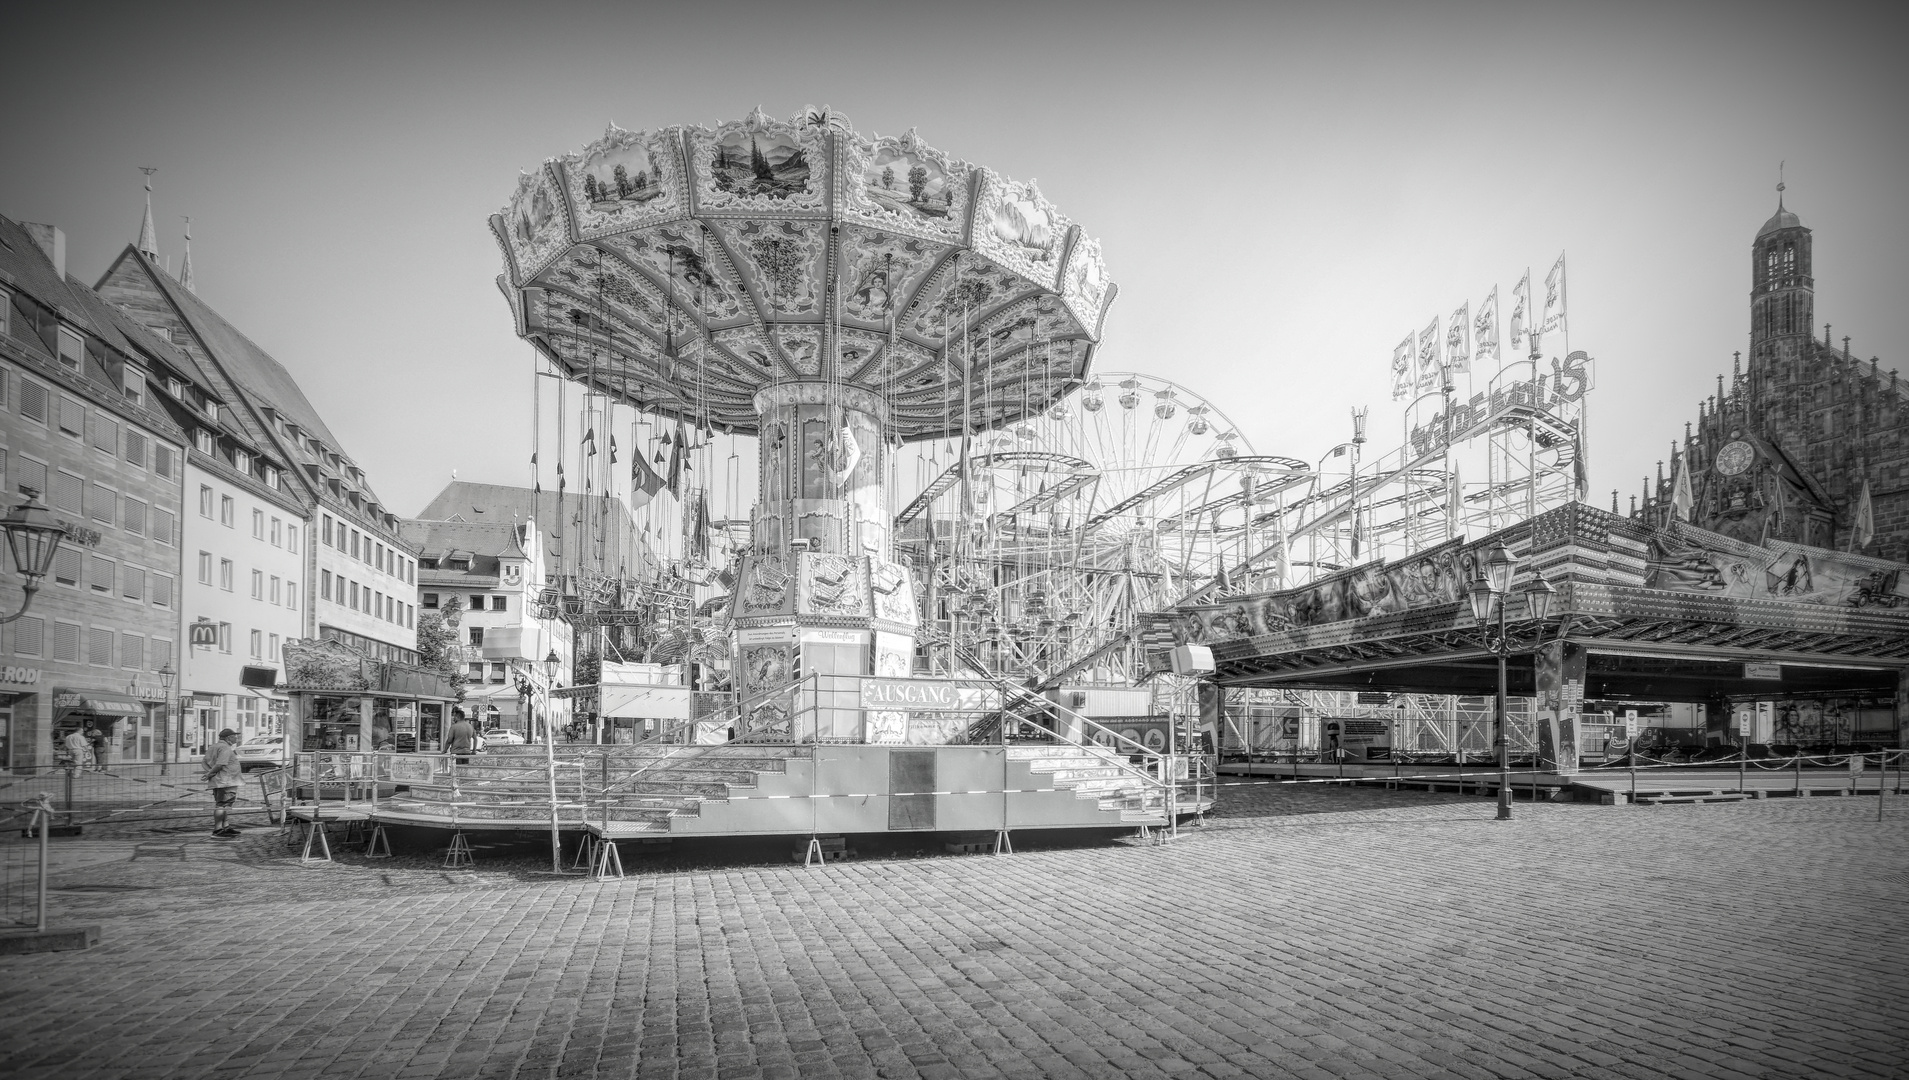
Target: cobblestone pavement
1310,932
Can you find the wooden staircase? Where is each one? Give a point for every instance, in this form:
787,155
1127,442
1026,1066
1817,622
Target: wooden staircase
1096,773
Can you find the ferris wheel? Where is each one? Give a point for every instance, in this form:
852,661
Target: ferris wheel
1103,506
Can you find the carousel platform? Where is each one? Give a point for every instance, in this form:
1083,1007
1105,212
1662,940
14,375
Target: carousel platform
1607,786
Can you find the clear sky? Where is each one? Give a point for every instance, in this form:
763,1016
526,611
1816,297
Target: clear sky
1282,191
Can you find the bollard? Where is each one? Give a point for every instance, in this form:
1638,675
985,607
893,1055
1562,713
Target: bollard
43,814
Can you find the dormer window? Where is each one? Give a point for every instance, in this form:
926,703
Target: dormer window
212,408
72,350
271,477
205,441
133,384
242,461
175,388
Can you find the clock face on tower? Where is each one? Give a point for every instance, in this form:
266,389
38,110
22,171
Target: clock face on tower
1735,457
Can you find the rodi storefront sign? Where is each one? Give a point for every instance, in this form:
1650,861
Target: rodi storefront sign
19,676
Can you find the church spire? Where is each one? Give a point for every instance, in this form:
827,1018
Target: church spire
148,237
185,265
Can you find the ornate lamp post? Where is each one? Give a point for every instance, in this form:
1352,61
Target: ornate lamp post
166,678
551,663
1495,585
33,536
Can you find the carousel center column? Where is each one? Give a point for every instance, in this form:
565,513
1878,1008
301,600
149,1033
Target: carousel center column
818,595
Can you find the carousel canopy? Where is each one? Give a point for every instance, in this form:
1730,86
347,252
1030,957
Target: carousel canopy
683,270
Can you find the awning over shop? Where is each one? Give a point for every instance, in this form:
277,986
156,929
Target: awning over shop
105,704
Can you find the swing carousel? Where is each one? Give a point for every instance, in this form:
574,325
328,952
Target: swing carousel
826,298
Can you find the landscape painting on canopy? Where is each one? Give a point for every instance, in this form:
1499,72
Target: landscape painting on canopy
758,163
621,177
900,181
1022,221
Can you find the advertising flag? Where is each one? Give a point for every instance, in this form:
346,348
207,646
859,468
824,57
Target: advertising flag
1554,297
1402,368
1485,328
1428,358
1458,351
1456,510
1863,529
1520,311
1681,500
644,477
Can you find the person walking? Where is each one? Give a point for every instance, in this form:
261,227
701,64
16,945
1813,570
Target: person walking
463,740
79,748
224,774
98,740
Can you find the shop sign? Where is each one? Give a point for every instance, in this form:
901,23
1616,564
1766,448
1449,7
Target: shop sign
1763,671
927,695
1630,724
19,676
79,534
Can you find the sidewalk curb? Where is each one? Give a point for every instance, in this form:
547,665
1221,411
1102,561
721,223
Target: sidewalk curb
55,939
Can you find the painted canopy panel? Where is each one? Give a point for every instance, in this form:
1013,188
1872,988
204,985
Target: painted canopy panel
687,267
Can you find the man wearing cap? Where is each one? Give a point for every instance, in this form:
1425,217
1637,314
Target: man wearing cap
224,774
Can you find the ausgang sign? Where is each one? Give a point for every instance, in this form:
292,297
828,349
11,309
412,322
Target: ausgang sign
923,695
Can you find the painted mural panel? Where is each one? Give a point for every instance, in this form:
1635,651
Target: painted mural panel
626,180
1017,227
906,185
533,224
1691,560
760,165
1429,579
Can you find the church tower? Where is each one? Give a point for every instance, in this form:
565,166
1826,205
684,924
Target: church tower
1782,290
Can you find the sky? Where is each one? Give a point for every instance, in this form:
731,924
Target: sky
1281,191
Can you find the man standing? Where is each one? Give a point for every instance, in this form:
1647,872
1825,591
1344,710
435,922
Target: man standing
463,738
224,774
80,749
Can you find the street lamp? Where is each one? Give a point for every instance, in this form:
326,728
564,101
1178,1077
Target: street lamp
1495,584
33,536
166,678
551,663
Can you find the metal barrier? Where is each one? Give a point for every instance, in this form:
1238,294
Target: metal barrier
120,793
23,871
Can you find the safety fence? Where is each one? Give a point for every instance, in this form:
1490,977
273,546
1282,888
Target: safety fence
119,793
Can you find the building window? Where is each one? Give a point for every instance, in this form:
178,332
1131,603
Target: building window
135,516
242,461
205,501
101,574
28,636
291,595
274,595
33,401
99,647
162,460
477,602
72,350
66,566
354,596
207,443
355,537
68,492
162,525
271,477
205,568
258,524
225,574
227,510
136,448
273,654
258,644
324,584
66,642
428,601
28,473
258,584
476,673
132,651
225,638
161,591
132,583
101,503
498,604
72,417
291,538
161,652
326,518
105,433
277,532
477,635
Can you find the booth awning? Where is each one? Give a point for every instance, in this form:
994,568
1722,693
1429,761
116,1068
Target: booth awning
97,702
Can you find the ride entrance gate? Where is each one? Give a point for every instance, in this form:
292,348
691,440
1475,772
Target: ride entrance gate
1641,613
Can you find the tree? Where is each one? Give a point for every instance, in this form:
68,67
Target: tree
438,646
622,182
590,187
917,182
888,177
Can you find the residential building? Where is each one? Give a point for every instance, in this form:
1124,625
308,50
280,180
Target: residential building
355,577
84,429
495,570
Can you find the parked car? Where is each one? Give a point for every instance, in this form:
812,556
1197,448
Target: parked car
262,752
503,737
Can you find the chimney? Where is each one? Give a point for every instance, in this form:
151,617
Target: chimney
53,242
